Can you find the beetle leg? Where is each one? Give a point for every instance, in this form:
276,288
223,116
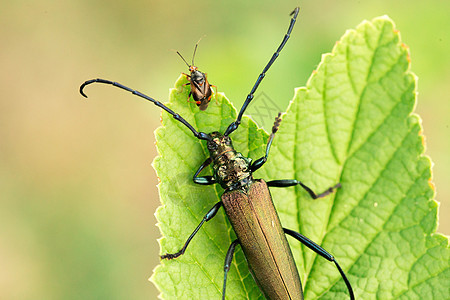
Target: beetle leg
226,267
211,213
322,252
261,161
204,180
293,182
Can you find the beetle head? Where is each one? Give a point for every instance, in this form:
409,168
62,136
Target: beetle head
219,144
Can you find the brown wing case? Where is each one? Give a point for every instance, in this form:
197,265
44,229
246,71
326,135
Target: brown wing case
258,228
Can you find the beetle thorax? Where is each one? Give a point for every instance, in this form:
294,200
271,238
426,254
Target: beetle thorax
231,169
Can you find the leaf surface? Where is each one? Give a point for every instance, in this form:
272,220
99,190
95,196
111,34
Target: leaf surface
352,124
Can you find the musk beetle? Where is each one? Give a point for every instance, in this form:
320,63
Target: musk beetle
201,89
248,203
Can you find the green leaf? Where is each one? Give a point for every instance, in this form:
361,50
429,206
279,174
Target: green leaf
352,124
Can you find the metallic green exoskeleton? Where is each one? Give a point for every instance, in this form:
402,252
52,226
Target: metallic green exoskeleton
251,212
248,203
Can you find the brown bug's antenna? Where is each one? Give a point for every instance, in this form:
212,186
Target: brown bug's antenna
183,58
195,49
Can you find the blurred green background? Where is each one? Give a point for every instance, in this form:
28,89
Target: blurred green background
78,191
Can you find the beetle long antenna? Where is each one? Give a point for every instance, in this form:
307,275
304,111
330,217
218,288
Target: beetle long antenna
233,126
199,135
195,50
183,58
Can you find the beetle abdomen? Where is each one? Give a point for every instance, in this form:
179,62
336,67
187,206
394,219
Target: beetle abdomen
258,228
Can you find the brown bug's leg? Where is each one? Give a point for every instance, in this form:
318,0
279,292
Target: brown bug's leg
182,87
322,252
211,213
189,98
226,267
188,83
215,94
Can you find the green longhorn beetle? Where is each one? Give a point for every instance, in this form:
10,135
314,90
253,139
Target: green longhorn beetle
248,203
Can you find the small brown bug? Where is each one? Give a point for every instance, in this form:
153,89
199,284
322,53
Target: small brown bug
201,89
